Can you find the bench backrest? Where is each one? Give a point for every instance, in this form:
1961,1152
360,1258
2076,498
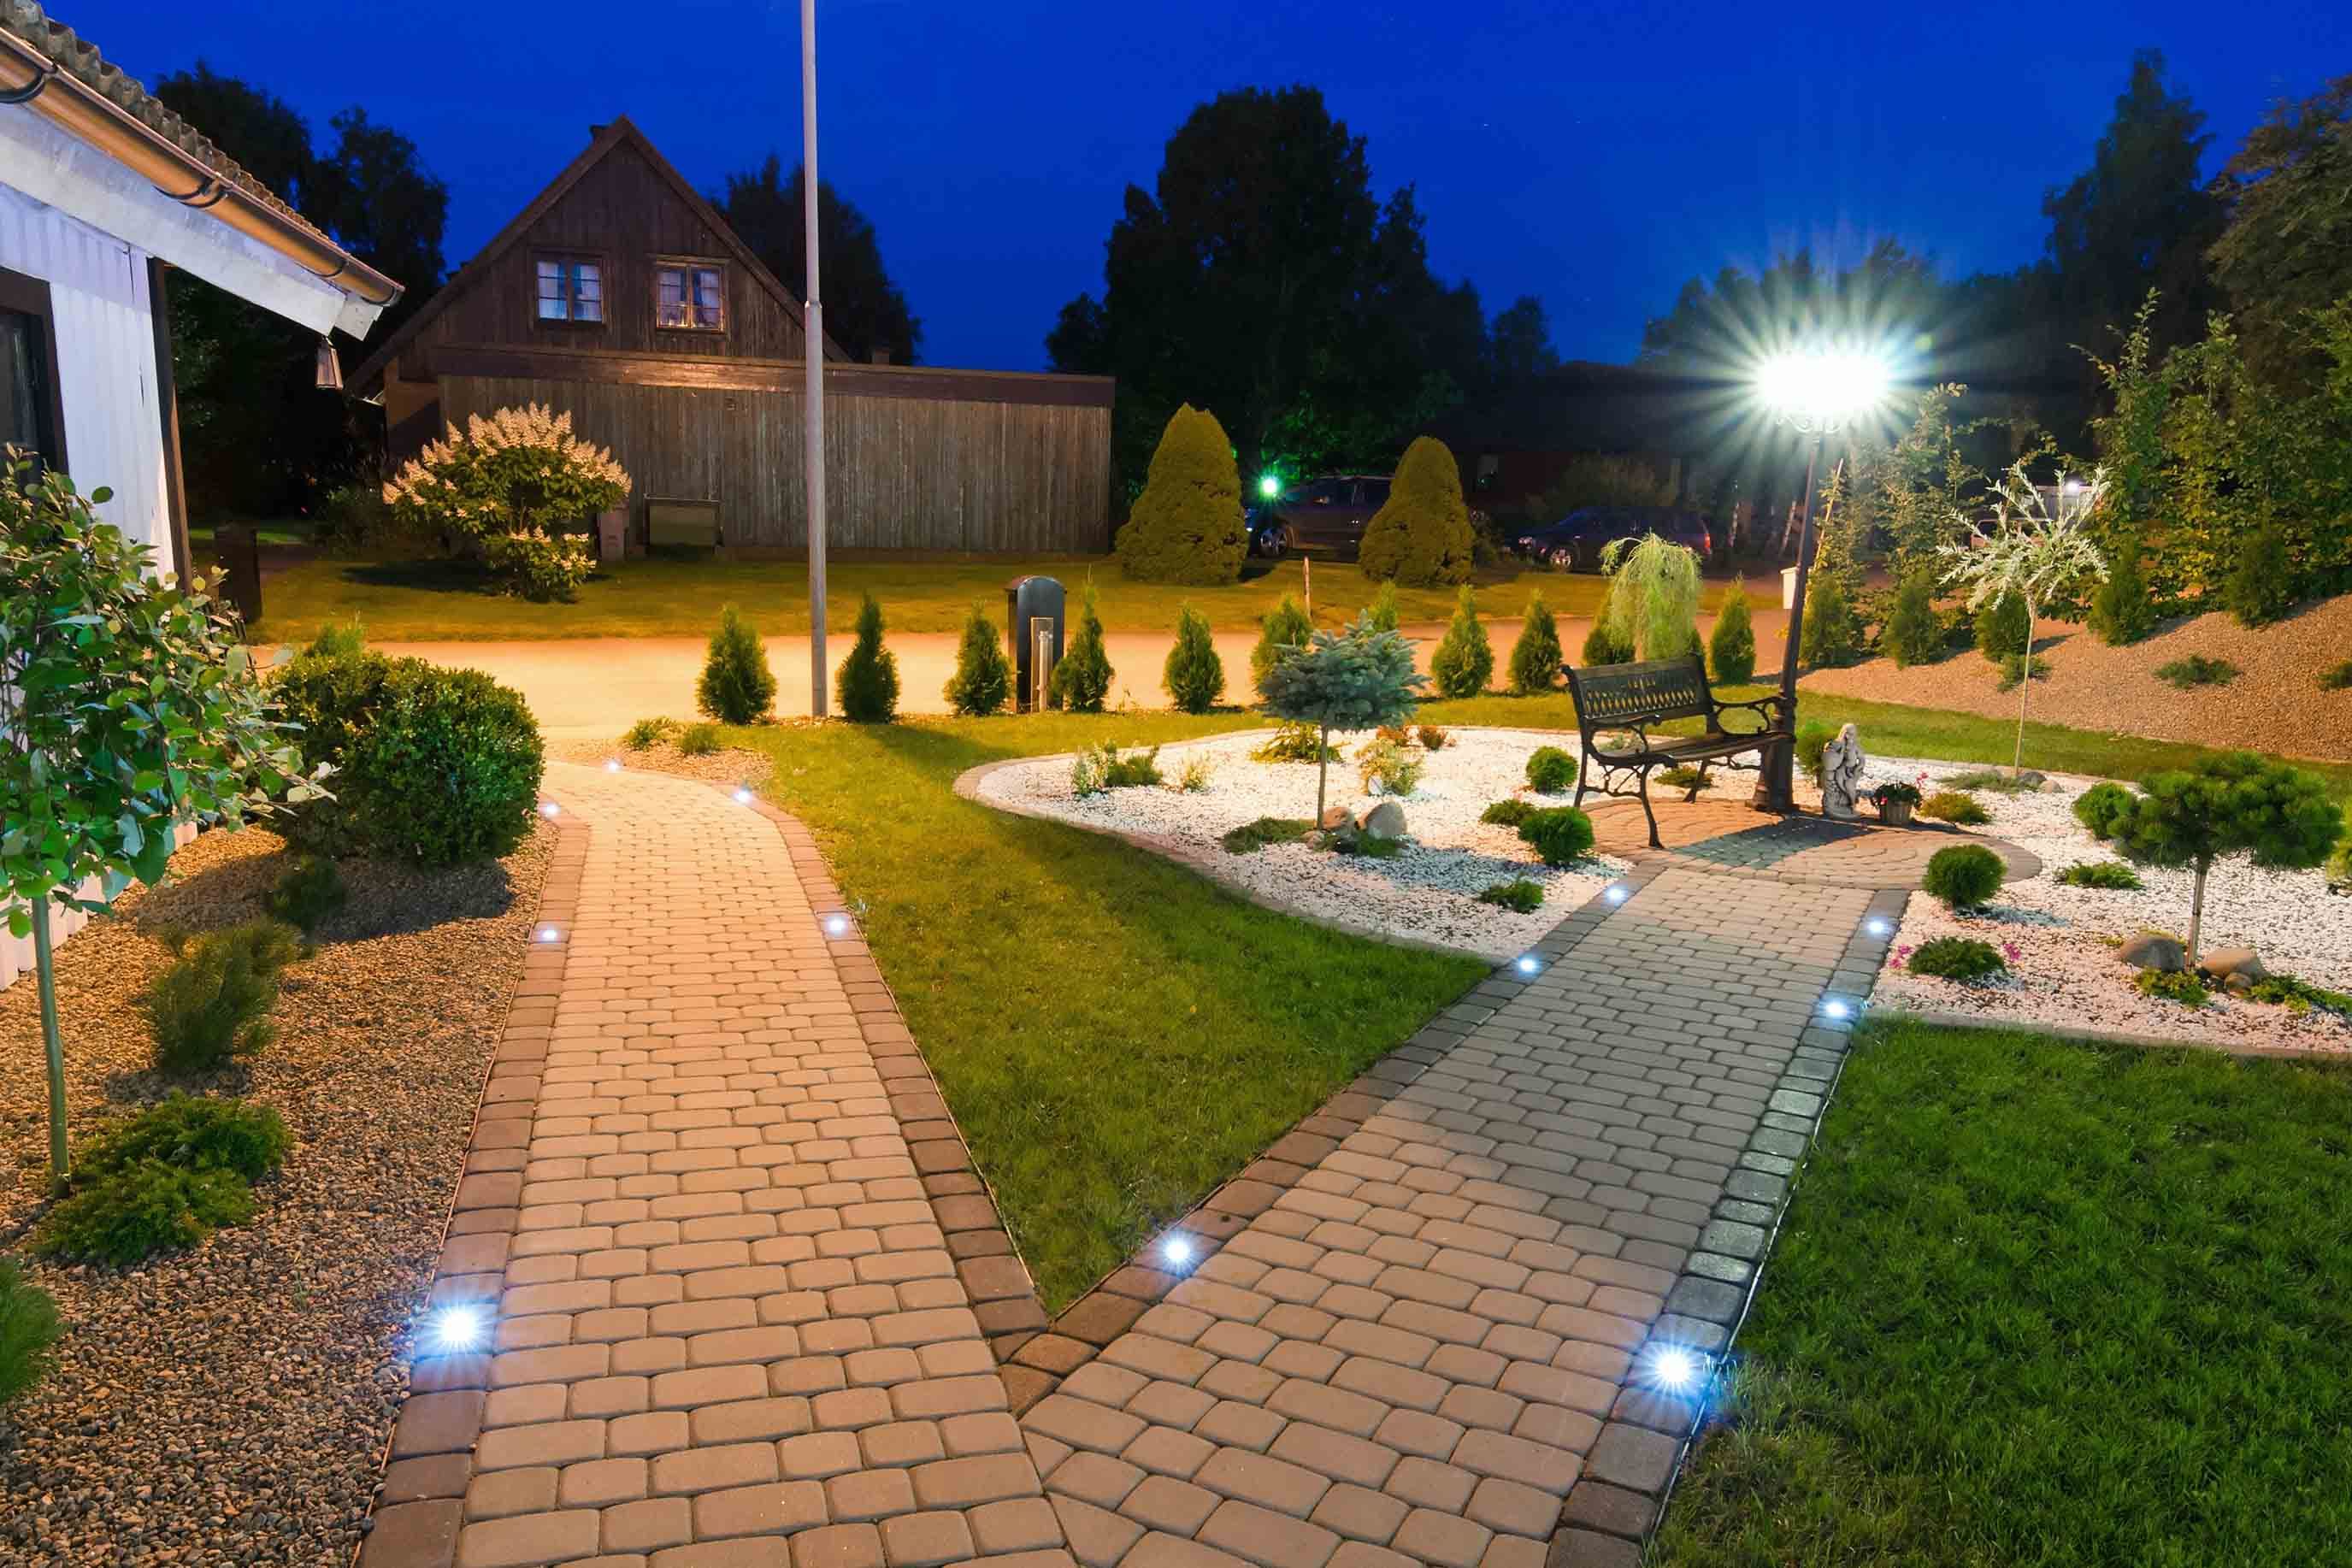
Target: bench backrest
1609,695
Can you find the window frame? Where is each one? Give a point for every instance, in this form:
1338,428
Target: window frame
561,255
690,265
29,296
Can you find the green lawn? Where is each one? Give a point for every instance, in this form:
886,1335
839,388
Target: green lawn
2039,1303
435,601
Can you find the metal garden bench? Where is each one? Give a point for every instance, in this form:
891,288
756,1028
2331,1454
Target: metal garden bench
1616,701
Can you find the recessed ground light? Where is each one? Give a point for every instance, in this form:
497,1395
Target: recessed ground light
548,808
1614,893
1527,963
1878,925
1177,1249
548,933
612,764
1837,1007
1674,1369
836,925
743,795
459,1328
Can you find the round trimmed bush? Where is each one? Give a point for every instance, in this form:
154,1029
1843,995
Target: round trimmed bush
1508,813
1550,770
1964,876
1959,958
2101,807
1560,835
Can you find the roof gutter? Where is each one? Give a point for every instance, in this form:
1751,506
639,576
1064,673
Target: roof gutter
29,77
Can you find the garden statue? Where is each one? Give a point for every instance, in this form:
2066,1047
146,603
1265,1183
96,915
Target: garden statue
1842,774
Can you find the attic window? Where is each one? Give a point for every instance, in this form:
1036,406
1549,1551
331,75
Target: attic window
571,289
690,295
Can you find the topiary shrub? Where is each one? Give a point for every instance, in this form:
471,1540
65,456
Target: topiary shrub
1603,646
1960,958
1559,834
1550,770
1954,806
1519,896
2261,585
648,733
2100,807
1508,813
1081,681
1464,660
2122,609
1964,875
1732,647
698,739
306,892
1194,676
1382,610
147,1208
737,685
2001,625
212,1003
2113,874
984,676
867,685
1833,635
1283,633
28,1327
1536,656
1186,527
1421,536
1914,635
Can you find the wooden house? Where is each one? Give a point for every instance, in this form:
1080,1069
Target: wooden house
620,297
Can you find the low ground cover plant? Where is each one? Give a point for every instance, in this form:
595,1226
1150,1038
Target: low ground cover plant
1964,875
2099,807
1957,958
698,740
2195,671
2116,874
1509,813
1681,777
1384,767
2015,668
1266,830
28,1327
2337,677
1954,806
165,1180
737,687
212,1003
2297,995
1194,776
1295,742
1994,779
1550,770
1520,895
1434,739
1559,834
309,891
2181,985
648,733
1102,768
1369,846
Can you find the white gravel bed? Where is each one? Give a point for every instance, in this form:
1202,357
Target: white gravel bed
2059,939
1429,893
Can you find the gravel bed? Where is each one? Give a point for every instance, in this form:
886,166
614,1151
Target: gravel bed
230,1405
2059,939
728,766
1428,893
2275,705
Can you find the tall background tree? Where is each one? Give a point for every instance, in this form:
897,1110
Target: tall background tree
864,310
2286,250
259,437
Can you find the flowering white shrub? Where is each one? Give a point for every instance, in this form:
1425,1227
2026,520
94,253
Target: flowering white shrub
518,477
537,564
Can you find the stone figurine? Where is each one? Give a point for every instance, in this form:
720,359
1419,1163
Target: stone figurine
1841,762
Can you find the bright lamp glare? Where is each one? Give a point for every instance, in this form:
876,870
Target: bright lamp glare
1269,486
1614,895
1527,963
1823,386
1878,925
548,933
1673,1369
548,808
1177,1249
612,764
836,925
742,797
1837,1007
458,1328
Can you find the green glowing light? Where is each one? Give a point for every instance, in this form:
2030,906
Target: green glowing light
1269,486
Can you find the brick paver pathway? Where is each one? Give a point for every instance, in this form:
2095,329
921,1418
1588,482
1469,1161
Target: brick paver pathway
1417,1349
728,1330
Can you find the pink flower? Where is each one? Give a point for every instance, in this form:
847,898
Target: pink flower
2009,950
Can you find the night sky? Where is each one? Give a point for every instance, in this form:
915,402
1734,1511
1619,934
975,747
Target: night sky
1596,161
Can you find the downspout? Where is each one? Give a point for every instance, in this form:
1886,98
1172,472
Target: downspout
167,400
31,79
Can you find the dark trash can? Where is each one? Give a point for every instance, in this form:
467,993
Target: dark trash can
1033,624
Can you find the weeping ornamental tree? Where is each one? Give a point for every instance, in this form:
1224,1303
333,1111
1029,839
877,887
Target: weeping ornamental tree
127,707
1653,605
2033,555
1360,678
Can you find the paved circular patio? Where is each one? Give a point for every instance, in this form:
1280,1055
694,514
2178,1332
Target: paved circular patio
1728,836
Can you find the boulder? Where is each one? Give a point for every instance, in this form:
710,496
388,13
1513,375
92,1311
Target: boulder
1336,817
2029,779
2150,951
2227,962
2238,984
1382,819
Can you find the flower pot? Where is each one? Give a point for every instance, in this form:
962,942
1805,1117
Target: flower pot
1894,812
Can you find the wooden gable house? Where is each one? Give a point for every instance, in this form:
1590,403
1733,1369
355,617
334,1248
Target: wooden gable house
620,297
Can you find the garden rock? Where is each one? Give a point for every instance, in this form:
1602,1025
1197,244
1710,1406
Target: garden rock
1383,819
2238,984
2229,963
1337,818
2150,951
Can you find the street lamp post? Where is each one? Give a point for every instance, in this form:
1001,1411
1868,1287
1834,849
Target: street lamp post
1816,393
812,364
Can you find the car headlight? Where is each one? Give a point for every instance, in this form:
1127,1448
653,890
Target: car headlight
1527,541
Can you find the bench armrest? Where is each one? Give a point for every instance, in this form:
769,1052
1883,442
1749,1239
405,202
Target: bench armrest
1776,718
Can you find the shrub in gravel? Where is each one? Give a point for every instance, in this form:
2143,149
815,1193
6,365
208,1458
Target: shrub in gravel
1194,676
1509,813
310,891
1683,776
1266,830
1464,659
28,1327
1519,896
1732,647
1536,656
2016,668
2114,875
867,685
1559,834
1386,768
2194,670
737,685
648,733
698,740
142,1210
984,676
2235,803
1550,770
2297,995
1954,806
1957,958
1283,633
1102,768
2336,678
2180,986
201,1133
1365,845
1293,742
1992,779
2263,584
212,1003
1964,875
1193,777
1432,739
2100,807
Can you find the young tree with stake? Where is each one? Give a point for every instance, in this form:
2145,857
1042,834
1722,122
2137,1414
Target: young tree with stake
1360,678
2233,803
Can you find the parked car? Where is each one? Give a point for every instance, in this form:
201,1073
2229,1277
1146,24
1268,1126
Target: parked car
1575,542
1327,513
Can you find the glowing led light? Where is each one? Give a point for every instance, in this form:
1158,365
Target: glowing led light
742,796
612,764
1673,1369
548,808
1177,1249
458,1328
1837,1008
548,933
1613,894
836,925
1878,925
1269,486
1527,963
1822,388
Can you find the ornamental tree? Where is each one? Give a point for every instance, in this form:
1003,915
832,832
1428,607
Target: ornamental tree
1360,678
127,705
515,477
2235,803
1653,605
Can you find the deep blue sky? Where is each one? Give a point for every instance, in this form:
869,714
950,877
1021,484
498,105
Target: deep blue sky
1596,161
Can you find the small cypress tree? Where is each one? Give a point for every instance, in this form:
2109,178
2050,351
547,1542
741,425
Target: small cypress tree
866,686
737,685
1464,661
1195,675
2002,626
2123,610
1603,646
1083,679
2261,587
1383,611
984,676
1833,635
1732,647
1287,628
1186,526
1535,657
1421,534
1913,634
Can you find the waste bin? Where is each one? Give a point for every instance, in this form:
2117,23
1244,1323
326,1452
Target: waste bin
239,550
1033,624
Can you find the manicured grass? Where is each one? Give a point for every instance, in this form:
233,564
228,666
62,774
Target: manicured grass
429,601
1115,1035
2039,1303
284,530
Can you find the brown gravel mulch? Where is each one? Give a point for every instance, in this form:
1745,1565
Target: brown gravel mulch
2277,705
229,1406
727,766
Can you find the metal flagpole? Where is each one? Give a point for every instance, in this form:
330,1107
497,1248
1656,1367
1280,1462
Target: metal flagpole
812,354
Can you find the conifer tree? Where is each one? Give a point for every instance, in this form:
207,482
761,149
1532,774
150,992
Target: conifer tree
737,685
984,676
866,686
1464,660
1535,657
1082,680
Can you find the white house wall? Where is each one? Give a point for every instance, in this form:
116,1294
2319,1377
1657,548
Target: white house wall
106,362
